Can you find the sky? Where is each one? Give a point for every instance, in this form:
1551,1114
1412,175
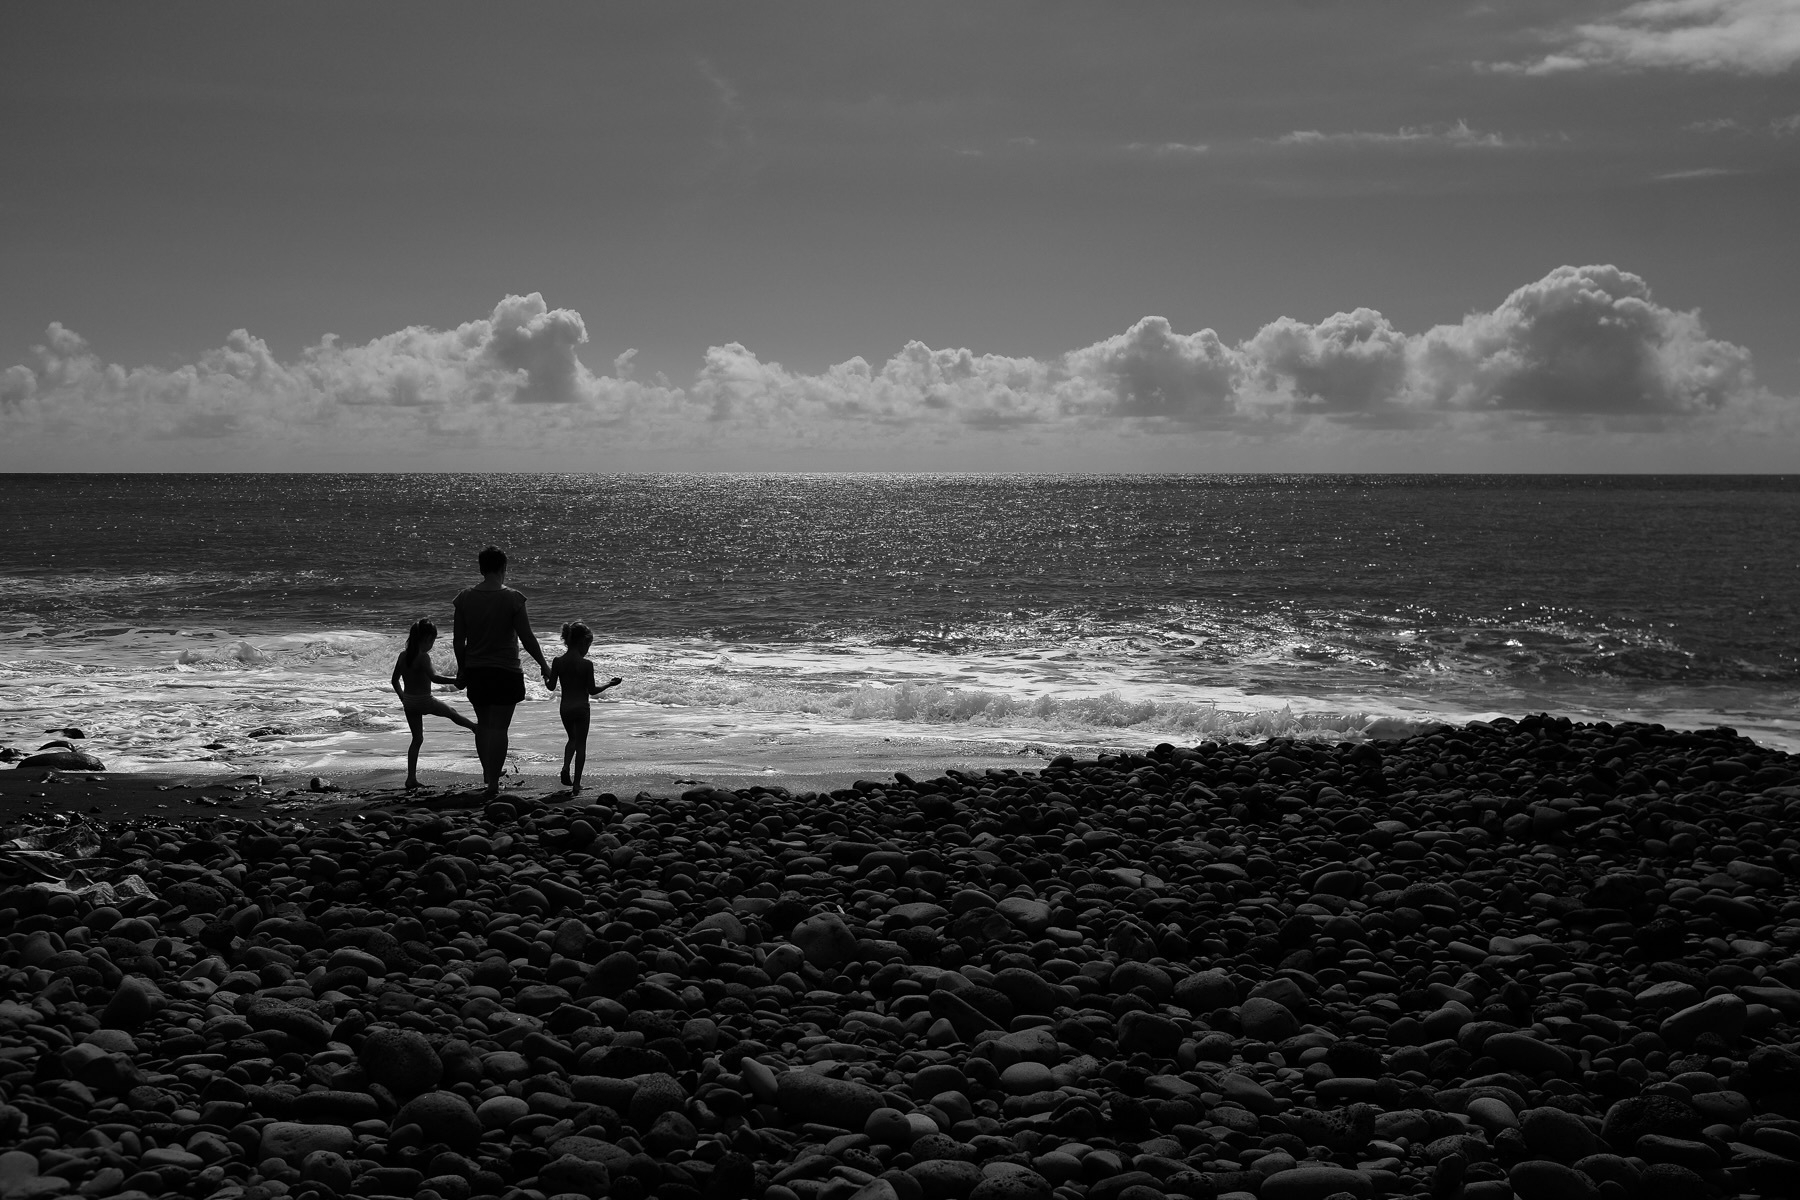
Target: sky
1340,236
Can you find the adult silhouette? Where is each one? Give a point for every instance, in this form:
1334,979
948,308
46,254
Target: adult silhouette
490,626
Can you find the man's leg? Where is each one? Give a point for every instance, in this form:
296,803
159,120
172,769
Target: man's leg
491,724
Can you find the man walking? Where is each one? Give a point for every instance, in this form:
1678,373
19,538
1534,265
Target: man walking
490,625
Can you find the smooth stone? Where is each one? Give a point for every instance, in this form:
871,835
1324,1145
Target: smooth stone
1554,1134
132,1004
825,940
1540,1179
876,1189
1206,991
1024,1078
400,1060
814,1097
592,1149
657,1093
1492,1114
1152,1033
761,1080
1267,1020
1019,1184
945,1178
567,1175
1669,995
1722,1016
292,1141
1526,1053
1315,1183
669,1132
1249,1093
889,1127
1032,917
444,1116
498,1112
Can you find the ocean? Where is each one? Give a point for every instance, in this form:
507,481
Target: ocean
773,623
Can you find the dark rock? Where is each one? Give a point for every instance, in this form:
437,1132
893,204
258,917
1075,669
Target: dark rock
815,1097
444,1116
400,1060
1554,1134
1540,1179
1315,1183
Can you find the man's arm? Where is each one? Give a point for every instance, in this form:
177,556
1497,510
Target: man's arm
459,640
528,639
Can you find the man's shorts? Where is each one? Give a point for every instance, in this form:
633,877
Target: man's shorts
490,686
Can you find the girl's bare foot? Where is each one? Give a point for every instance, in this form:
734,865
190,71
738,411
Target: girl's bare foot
413,785
574,789
566,781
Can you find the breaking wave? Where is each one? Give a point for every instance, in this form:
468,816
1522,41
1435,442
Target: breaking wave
937,704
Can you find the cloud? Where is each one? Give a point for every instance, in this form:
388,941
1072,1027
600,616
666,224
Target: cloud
1697,173
1580,342
465,380
1744,37
1583,349
1167,149
1785,126
1716,125
1458,134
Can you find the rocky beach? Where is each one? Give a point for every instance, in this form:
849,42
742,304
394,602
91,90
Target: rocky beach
1536,958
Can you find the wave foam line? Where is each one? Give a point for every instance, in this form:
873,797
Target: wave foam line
936,704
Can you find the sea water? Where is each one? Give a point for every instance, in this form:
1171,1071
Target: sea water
772,623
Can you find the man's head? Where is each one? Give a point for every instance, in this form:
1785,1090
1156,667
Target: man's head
492,561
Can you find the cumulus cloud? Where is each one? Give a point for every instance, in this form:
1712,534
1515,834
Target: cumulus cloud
1458,134
1745,37
1582,341
461,380
1584,348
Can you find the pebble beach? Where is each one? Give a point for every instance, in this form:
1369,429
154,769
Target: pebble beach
1529,958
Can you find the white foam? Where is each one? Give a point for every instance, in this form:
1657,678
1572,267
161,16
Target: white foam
206,698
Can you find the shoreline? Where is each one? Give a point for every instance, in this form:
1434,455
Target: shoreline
1513,958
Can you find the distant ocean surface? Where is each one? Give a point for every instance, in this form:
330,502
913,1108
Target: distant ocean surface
249,622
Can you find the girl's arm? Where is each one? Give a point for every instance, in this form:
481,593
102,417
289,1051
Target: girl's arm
551,672
399,665
614,682
449,679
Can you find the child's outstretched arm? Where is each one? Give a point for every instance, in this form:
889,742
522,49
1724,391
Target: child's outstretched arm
614,682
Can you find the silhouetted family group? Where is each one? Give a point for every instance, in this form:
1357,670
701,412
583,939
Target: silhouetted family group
490,627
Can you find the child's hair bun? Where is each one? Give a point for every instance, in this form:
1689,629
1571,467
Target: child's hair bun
575,633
